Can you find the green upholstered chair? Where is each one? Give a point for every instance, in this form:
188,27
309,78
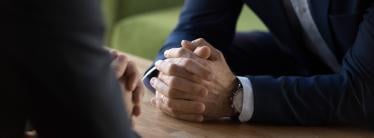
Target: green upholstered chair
116,10
142,28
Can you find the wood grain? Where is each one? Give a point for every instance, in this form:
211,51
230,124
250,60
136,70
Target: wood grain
154,124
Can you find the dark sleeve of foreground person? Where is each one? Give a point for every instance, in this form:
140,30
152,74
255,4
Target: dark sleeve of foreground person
57,74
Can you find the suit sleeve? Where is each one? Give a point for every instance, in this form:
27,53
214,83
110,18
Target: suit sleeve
74,92
213,20
346,97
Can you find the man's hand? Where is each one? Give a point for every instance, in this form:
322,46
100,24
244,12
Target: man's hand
128,76
194,83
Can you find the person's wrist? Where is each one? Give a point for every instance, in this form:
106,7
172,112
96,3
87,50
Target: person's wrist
228,111
232,84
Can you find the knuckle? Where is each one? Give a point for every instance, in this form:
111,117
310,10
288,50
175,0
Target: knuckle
171,93
157,85
173,68
168,91
164,89
180,51
173,81
123,58
131,64
161,75
112,51
122,55
200,40
187,62
200,91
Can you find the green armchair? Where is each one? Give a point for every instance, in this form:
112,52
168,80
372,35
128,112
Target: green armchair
140,27
115,10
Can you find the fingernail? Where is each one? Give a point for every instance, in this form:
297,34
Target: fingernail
200,119
166,52
186,42
183,42
204,92
202,108
158,62
194,42
152,82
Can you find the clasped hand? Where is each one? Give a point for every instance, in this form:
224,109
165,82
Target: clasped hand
129,81
194,83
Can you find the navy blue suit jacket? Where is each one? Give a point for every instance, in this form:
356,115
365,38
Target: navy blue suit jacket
320,96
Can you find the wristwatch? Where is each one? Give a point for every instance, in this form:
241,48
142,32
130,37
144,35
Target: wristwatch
237,98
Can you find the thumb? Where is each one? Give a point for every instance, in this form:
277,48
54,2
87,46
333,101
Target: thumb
188,45
203,52
214,53
199,50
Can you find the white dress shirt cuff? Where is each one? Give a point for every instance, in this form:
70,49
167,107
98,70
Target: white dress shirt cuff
147,77
248,106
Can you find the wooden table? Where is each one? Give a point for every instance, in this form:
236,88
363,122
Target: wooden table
154,124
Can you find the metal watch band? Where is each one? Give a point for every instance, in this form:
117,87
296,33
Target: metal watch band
237,97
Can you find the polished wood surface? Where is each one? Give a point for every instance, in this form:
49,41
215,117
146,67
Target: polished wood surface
154,124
